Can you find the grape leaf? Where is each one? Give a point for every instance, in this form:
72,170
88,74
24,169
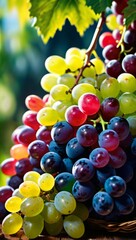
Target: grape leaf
99,6
50,16
130,12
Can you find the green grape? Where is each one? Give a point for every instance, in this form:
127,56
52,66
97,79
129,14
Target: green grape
75,51
132,124
13,204
80,89
127,82
47,116
56,64
111,22
74,226
55,228
100,79
33,226
29,189
61,107
127,103
99,65
89,80
109,88
50,213
32,206
98,94
67,79
60,92
46,182
48,81
65,202
31,176
12,223
74,62
89,72
17,193
81,211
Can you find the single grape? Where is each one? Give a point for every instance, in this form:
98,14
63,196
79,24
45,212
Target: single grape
118,157
74,226
31,176
109,108
81,211
115,186
50,162
109,88
29,119
83,191
46,182
47,116
114,68
89,104
48,81
34,103
19,151
128,64
54,229
5,193
87,135
37,149
127,82
64,181
108,139
50,213
106,38
66,79
127,103
29,189
64,202
102,203
57,148
99,157
12,223
74,116
44,134
124,204
56,64
22,166
14,181
111,52
62,132
80,89
132,124
99,65
74,62
32,206
74,149
33,226
8,166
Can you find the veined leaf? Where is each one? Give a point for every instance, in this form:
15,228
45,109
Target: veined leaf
99,6
130,12
51,15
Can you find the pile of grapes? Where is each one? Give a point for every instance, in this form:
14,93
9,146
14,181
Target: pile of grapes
74,156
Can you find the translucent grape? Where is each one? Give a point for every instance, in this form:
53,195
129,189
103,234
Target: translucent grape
19,151
74,116
29,189
111,22
82,88
32,206
54,229
13,204
17,193
48,81
109,88
75,51
127,103
66,79
12,223
8,166
60,107
60,92
33,102
47,116
127,82
89,103
56,64
33,226
46,182
65,202
132,124
74,226
108,139
99,65
31,176
74,62
89,72
81,211
50,213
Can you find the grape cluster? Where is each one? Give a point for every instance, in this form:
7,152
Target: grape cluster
73,157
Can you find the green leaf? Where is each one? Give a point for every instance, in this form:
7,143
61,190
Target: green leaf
130,12
99,6
50,16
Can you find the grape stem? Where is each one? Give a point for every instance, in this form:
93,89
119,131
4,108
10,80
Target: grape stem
91,47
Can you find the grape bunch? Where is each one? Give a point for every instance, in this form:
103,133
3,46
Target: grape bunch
73,157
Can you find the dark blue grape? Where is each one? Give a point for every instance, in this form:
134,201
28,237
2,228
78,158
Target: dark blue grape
83,170
66,165
118,157
83,191
124,204
102,203
51,162
126,172
62,132
109,108
74,149
115,186
64,181
15,181
87,135
105,172
23,166
58,148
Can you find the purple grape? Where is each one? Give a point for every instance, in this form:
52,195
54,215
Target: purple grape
111,52
44,134
118,157
3,212
83,191
51,162
15,181
124,204
74,149
109,108
39,170
99,157
83,170
37,149
126,143
108,139
126,172
34,162
130,37
64,181
23,166
114,68
105,172
5,193
62,132
87,135
129,63
115,186
58,148
26,135
102,203
120,125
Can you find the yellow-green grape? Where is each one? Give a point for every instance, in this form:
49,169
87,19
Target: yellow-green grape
46,182
61,107
32,206
127,103
50,101
100,79
48,81
55,228
110,88
56,64
111,22
99,65
89,72
74,226
12,223
74,62
29,189
81,211
60,92
80,89
50,213
75,51
65,202
17,193
98,94
127,82
89,80
31,176
13,204
132,124
67,79
33,226
47,116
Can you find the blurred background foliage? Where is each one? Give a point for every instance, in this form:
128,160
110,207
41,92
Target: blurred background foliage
22,56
